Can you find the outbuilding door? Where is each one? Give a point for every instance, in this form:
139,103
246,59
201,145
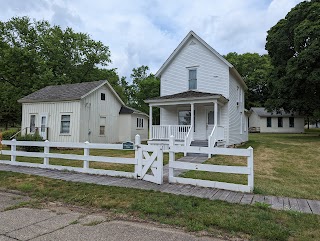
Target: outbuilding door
43,126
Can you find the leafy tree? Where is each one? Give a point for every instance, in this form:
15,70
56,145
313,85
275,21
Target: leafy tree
144,86
294,47
34,54
255,70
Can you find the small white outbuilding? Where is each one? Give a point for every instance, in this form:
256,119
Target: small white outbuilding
88,111
260,120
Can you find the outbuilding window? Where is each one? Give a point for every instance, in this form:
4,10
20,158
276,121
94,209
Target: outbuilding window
291,122
139,122
269,122
65,124
280,122
103,96
102,127
32,123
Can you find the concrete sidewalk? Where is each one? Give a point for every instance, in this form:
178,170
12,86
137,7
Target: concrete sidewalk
65,224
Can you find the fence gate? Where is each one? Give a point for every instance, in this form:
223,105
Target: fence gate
150,163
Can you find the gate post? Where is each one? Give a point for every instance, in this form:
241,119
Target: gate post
160,165
171,158
250,166
138,156
86,152
46,150
13,149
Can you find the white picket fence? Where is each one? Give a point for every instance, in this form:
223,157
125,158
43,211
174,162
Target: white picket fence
86,157
246,170
148,161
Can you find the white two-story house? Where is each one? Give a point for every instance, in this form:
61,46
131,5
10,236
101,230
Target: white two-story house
201,98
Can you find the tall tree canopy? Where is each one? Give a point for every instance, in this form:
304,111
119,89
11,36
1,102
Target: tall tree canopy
294,47
34,54
255,70
144,86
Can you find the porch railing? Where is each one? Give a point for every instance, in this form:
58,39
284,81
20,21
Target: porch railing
217,134
163,132
188,139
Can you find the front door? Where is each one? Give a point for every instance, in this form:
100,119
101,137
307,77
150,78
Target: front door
43,126
209,120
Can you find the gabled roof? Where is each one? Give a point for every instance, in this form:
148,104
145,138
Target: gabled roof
190,94
182,44
129,110
67,92
262,112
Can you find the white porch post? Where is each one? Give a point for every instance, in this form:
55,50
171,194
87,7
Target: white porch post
215,113
150,122
192,120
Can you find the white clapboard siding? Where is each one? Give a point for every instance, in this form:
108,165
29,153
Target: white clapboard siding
235,112
212,73
92,108
54,110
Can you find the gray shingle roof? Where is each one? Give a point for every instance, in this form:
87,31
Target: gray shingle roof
261,111
186,95
129,110
61,92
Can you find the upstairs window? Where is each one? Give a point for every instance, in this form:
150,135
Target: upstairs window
192,79
268,121
291,122
103,96
280,122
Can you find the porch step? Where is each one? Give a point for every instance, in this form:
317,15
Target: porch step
202,143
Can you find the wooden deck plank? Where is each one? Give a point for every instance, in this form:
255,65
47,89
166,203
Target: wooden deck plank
257,199
231,196
210,192
294,205
237,198
268,200
304,206
246,199
286,204
217,195
315,206
277,203
224,195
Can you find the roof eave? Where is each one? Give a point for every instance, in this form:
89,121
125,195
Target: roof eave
213,97
47,100
177,50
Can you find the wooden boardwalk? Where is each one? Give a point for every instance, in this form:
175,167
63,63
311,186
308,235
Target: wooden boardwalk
279,203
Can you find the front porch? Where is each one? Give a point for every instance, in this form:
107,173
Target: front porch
188,119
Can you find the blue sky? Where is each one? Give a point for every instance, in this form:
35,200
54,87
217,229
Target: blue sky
145,32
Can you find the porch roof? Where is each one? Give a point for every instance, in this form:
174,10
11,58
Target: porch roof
188,96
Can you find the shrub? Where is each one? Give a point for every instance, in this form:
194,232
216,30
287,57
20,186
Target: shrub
30,137
8,133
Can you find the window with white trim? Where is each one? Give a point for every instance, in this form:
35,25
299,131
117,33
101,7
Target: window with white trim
140,123
103,96
32,123
65,124
192,79
102,127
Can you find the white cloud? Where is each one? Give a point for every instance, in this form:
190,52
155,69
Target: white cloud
146,32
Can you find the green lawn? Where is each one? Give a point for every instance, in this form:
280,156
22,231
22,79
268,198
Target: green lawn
284,165
191,213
